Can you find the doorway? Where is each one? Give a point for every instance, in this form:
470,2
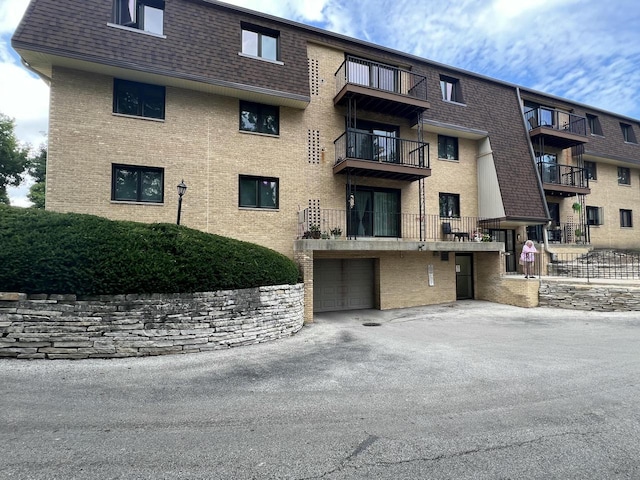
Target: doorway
464,276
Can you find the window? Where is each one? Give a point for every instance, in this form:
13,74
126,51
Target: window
137,184
625,218
259,118
138,99
594,216
590,170
449,205
258,192
451,90
447,147
260,42
627,133
594,125
147,15
624,176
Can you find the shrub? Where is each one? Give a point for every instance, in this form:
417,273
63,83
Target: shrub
48,252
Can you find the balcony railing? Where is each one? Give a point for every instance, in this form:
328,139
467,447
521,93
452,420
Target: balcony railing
566,175
384,149
570,232
367,224
381,77
556,119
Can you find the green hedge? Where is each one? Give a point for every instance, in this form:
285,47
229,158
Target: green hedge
48,252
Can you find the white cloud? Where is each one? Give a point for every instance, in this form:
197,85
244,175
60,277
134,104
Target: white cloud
11,12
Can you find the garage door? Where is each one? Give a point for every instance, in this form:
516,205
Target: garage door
343,284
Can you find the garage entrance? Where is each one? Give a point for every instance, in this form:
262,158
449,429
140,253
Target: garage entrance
343,284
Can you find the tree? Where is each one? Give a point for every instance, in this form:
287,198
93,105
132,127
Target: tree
37,168
13,158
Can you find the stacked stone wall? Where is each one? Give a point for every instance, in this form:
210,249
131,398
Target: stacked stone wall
66,326
590,296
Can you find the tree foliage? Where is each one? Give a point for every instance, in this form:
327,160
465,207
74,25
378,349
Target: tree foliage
13,157
37,168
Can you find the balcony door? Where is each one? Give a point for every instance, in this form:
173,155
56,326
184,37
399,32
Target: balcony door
375,213
372,74
375,142
549,169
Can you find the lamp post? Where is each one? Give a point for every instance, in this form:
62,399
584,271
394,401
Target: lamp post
182,188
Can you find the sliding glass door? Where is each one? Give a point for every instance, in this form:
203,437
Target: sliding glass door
375,213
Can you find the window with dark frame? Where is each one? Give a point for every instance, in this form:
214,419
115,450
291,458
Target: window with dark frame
259,118
594,215
628,133
624,176
590,170
146,15
626,219
130,183
260,42
138,99
450,88
594,125
449,205
258,192
447,147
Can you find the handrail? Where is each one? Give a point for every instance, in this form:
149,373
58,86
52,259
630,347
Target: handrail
358,223
556,119
359,71
380,148
560,174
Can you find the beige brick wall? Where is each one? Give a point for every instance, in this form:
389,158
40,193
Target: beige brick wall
606,193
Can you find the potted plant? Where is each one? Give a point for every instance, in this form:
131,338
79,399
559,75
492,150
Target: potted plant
336,232
578,233
576,207
313,232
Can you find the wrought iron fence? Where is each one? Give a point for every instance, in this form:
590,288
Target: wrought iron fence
383,149
356,223
606,264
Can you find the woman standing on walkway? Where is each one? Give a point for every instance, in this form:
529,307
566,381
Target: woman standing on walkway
527,257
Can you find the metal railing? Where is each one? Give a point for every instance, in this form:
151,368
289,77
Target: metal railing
570,232
355,223
566,175
605,264
358,71
556,119
384,149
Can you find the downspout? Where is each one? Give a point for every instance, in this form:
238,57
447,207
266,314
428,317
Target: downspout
545,236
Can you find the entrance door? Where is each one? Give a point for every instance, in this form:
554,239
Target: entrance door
464,276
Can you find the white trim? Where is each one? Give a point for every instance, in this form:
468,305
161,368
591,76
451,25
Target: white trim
277,62
137,30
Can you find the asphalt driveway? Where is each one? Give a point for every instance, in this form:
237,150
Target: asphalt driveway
471,390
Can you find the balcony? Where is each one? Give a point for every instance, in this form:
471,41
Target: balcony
563,180
381,88
556,128
369,155
362,224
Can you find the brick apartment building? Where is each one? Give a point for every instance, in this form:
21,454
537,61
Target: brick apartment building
283,132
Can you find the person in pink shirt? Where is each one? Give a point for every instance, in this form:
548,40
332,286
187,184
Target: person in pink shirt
527,257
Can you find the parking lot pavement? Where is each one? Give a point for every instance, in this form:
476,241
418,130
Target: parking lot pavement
456,391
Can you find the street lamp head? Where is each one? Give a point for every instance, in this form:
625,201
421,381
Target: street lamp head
182,188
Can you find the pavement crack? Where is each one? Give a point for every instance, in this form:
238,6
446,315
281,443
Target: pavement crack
473,451
362,446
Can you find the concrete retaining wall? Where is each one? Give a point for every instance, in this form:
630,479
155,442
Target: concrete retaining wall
590,296
63,326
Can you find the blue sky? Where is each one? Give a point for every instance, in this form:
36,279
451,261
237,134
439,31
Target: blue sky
583,50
